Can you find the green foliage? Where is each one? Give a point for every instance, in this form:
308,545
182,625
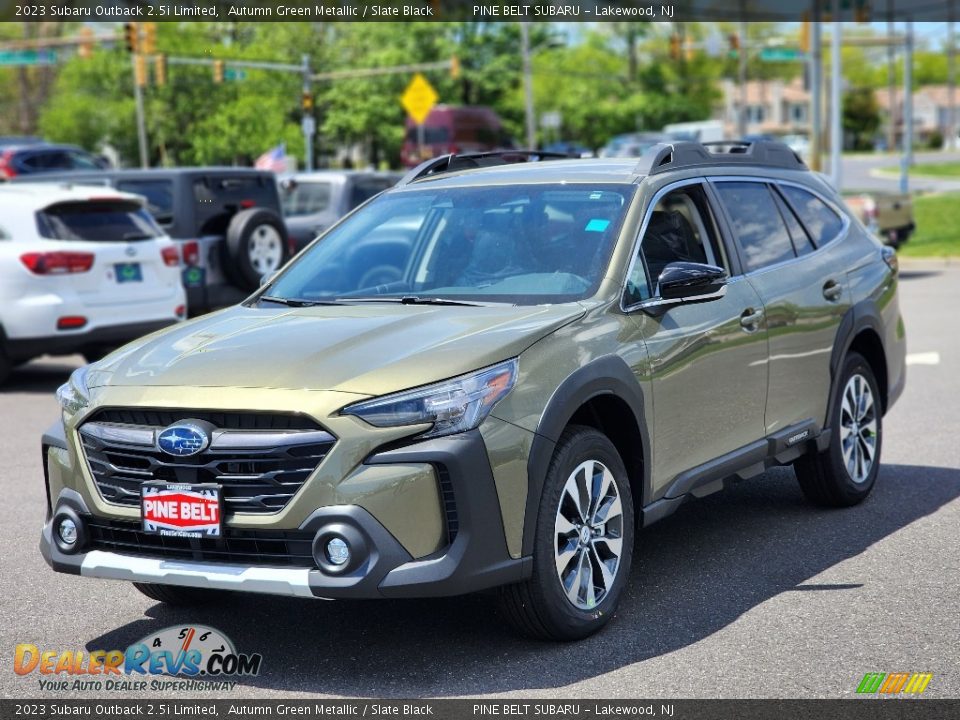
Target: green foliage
937,218
861,117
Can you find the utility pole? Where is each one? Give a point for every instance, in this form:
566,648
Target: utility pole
907,159
951,81
816,92
742,77
891,82
836,102
307,123
528,86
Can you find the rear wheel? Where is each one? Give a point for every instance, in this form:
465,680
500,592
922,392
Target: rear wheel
179,595
844,474
583,545
256,246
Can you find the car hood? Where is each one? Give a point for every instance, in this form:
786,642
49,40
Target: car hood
365,349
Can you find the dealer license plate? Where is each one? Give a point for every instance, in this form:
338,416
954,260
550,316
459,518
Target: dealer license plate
181,510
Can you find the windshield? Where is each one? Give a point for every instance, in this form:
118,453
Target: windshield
524,245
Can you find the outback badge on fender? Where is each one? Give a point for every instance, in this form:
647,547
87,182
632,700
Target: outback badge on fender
183,439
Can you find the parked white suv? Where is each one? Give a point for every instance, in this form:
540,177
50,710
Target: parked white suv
82,269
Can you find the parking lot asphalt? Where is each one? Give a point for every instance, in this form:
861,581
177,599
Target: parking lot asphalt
747,593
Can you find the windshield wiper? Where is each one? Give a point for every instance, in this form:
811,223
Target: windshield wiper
297,302
410,300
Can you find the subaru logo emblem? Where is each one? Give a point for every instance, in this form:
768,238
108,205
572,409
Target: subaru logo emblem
131,250
183,439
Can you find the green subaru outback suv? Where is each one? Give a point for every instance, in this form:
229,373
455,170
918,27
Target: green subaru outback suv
492,375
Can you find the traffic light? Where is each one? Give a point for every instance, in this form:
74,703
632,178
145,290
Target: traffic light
218,71
131,35
675,47
149,38
160,70
455,67
85,48
306,101
689,52
805,35
140,70
734,40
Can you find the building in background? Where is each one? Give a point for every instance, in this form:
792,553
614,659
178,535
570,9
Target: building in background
774,107
931,113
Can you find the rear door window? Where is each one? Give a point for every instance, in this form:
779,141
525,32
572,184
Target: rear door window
220,197
802,244
757,224
306,198
820,220
104,221
159,195
362,189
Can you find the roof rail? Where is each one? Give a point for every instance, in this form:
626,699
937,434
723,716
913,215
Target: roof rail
469,161
762,153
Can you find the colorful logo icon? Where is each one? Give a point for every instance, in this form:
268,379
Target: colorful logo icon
902,683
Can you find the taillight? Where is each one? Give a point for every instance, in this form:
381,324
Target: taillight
170,256
71,322
246,204
890,258
54,263
6,169
180,311
191,253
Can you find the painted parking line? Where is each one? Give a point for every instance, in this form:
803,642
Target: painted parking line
924,358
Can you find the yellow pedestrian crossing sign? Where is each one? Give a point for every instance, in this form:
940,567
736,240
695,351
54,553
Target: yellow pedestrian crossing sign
419,98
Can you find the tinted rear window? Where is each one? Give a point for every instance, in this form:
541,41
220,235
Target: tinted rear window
823,223
105,221
757,223
219,198
159,195
365,188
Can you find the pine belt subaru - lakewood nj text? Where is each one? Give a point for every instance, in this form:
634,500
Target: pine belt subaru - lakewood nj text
489,376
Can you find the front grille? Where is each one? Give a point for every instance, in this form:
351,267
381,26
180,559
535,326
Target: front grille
289,548
259,460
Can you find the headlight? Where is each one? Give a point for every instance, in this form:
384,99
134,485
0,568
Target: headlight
452,405
73,395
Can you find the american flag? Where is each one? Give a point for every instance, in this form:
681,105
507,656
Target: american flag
274,159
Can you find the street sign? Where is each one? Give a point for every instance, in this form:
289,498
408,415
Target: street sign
28,57
781,54
419,98
308,125
234,74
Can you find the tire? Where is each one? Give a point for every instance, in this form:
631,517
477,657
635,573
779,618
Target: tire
256,246
543,607
845,473
6,366
178,595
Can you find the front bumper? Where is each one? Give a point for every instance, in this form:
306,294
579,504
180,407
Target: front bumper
476,559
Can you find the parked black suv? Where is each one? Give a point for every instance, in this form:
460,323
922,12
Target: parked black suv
227,220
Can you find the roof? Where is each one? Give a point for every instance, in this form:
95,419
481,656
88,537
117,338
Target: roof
35,196
494,168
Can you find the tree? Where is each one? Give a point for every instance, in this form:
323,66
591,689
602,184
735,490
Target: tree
861,117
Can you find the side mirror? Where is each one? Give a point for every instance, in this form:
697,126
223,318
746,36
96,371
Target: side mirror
686,281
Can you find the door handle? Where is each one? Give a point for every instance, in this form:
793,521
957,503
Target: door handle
832,290
750,319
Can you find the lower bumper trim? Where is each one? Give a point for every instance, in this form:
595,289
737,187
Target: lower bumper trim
274,581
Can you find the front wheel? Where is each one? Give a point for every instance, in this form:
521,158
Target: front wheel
583,545
845,473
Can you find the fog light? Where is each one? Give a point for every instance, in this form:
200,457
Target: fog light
338,552
67,530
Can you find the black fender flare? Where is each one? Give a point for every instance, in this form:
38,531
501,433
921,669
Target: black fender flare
607,375
863,315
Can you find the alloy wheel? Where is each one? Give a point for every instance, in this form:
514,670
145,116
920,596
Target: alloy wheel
858,428
588,534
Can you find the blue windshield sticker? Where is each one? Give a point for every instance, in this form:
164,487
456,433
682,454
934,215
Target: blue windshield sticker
597,225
